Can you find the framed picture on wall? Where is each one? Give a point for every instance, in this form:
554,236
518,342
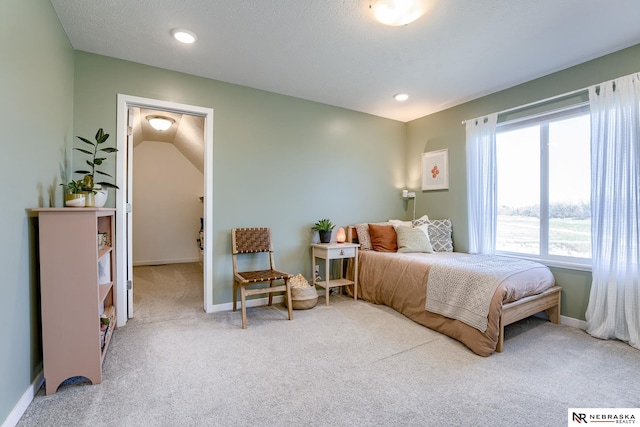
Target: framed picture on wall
435,170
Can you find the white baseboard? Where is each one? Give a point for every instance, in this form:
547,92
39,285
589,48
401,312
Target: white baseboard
23,403
576,323
166,261
250,303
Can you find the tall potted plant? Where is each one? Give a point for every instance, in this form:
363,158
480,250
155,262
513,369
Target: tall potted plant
324,227
88,181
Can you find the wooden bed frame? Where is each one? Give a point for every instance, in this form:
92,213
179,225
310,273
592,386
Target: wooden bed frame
547,301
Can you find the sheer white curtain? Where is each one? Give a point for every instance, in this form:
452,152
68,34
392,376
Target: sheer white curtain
482,184
614,303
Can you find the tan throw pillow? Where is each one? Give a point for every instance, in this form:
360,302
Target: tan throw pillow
413,239
383,238
362,230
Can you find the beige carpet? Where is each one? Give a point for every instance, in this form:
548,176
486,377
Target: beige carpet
167,291
349,364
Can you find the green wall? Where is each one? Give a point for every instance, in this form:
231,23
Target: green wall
444,130
279,162
36,87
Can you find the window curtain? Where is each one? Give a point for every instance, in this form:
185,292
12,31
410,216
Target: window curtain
482,187
614,302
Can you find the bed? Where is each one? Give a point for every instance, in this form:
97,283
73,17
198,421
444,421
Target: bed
403,281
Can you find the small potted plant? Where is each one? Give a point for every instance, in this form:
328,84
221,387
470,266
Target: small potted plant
324,227
88,184
74,196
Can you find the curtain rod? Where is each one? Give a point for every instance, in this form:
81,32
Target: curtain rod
531,104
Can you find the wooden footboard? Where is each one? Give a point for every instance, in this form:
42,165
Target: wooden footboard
549,301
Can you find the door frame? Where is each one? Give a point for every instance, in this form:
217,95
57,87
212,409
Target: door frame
124,103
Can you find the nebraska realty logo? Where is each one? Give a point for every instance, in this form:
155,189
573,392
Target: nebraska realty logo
581,416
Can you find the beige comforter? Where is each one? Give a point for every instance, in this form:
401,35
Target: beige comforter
399,280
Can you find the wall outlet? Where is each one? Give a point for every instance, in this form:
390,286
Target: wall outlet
317,270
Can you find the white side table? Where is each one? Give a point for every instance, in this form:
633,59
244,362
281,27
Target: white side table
329,251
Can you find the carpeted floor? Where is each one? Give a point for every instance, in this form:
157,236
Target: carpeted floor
349,364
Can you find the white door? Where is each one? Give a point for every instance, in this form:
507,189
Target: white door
129,215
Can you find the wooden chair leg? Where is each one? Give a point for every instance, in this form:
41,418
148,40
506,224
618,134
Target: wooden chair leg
288,297
235,294
270,293
243,301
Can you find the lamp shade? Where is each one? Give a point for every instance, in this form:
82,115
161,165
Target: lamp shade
341,236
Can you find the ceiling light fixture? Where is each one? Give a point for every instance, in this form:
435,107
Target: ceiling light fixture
160,123
184,36
400,97
397,12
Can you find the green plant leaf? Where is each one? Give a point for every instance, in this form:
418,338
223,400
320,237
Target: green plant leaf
98,162
84,151
90,163
108,184
103,173
109,150
86,140
82,172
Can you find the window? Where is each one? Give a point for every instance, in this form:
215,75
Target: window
544,186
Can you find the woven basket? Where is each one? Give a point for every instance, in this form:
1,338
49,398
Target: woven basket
303,298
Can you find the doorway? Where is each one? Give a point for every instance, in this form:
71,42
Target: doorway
124,201
168,194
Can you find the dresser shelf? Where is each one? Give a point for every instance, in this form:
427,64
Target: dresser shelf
77,286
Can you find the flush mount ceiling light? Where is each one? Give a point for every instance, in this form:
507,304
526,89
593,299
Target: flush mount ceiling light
184,36
160,123
400,97
397,12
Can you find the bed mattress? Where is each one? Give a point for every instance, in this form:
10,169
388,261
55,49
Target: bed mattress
399,280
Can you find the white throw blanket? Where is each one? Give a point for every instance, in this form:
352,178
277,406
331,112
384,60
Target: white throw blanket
462,289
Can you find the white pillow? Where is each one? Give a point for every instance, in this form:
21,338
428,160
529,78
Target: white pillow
399,223
413,240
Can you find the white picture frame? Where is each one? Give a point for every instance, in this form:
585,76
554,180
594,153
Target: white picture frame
435,170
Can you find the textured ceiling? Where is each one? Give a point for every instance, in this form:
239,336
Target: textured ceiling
333,52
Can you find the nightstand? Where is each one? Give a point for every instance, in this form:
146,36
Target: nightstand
341,251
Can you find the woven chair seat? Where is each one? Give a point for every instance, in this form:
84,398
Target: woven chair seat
263,275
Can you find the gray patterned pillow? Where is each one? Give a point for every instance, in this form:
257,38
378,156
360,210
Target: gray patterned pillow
439,234
424,219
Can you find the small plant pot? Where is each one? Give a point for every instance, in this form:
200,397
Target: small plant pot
325,236
89,199
100,196
75,200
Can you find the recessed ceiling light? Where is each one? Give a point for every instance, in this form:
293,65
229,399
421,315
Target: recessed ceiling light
160,123
400,97
397,12
184,36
